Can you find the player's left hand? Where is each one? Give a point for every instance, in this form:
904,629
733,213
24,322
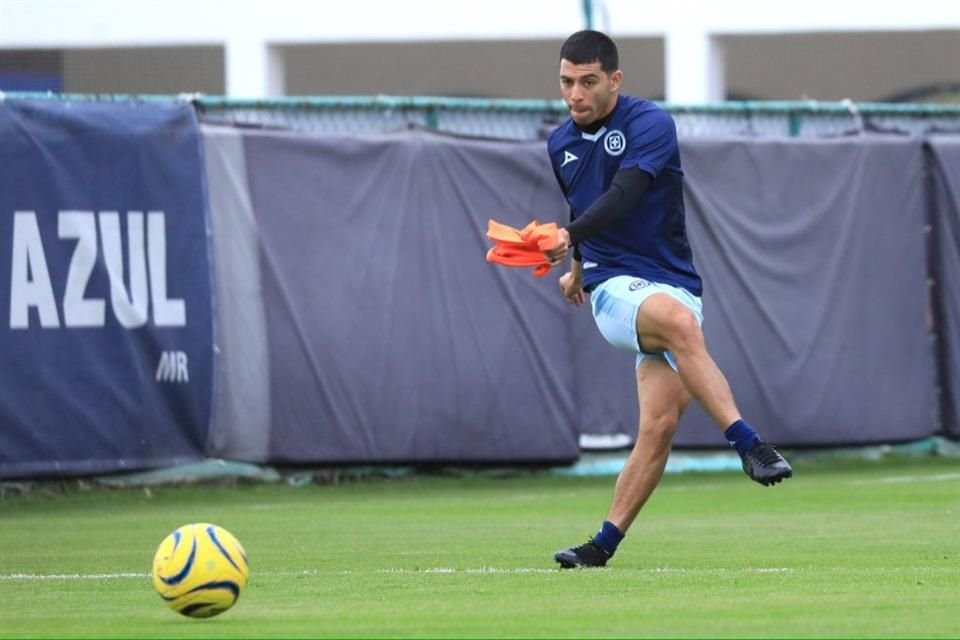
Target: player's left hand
559,252
572,288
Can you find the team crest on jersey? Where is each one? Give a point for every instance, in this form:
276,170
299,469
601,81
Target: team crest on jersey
614,142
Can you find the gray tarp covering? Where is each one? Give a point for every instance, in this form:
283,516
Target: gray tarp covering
945,152
814,263
812,255
388,338
241,417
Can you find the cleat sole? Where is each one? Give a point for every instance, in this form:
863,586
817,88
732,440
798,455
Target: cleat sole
776,479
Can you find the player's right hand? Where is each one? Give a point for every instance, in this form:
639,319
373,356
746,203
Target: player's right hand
572,289
559,252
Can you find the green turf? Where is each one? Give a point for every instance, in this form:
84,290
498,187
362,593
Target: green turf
864,550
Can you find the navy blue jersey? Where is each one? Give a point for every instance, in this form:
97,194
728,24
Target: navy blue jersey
651,241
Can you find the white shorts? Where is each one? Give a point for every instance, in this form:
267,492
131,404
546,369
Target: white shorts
615,304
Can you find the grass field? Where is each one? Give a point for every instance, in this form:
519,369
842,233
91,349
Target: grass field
864,550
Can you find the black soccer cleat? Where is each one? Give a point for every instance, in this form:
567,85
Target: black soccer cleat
589,554
764,465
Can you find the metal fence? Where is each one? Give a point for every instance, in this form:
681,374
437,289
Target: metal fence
533,119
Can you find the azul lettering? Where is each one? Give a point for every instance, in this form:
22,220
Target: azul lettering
146,270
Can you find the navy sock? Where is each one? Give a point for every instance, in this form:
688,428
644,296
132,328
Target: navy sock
608,537
741,436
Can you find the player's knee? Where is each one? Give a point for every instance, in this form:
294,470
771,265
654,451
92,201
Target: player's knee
683,330
659,429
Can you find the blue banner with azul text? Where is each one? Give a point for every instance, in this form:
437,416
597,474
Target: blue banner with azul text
106,320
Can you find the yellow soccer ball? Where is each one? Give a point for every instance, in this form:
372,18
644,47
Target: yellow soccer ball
200,570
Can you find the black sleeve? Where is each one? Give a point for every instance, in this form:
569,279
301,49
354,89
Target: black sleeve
576,249
623,196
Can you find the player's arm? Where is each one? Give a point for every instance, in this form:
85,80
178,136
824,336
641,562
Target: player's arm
571,284
625,193
576,249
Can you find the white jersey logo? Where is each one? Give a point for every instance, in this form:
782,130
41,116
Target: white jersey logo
614,143
568,158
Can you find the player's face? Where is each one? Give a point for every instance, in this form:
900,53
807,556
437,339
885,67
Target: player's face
590,92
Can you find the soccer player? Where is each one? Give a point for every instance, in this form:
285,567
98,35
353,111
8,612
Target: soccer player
618,164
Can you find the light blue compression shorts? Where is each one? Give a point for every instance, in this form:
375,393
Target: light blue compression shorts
615,303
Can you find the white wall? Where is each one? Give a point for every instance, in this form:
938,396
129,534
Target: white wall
251,30
95,23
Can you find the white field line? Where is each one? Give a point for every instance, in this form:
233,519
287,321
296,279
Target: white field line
71,576
716,571
939,477
397,571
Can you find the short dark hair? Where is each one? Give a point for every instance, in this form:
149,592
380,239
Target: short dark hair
588,46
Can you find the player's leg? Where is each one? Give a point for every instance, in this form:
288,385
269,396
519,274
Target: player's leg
665,324
662,399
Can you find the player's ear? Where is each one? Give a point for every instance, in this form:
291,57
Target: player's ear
615,79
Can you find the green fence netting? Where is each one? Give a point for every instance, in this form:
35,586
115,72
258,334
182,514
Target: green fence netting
533,119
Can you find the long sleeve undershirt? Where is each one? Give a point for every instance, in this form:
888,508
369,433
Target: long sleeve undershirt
623,196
